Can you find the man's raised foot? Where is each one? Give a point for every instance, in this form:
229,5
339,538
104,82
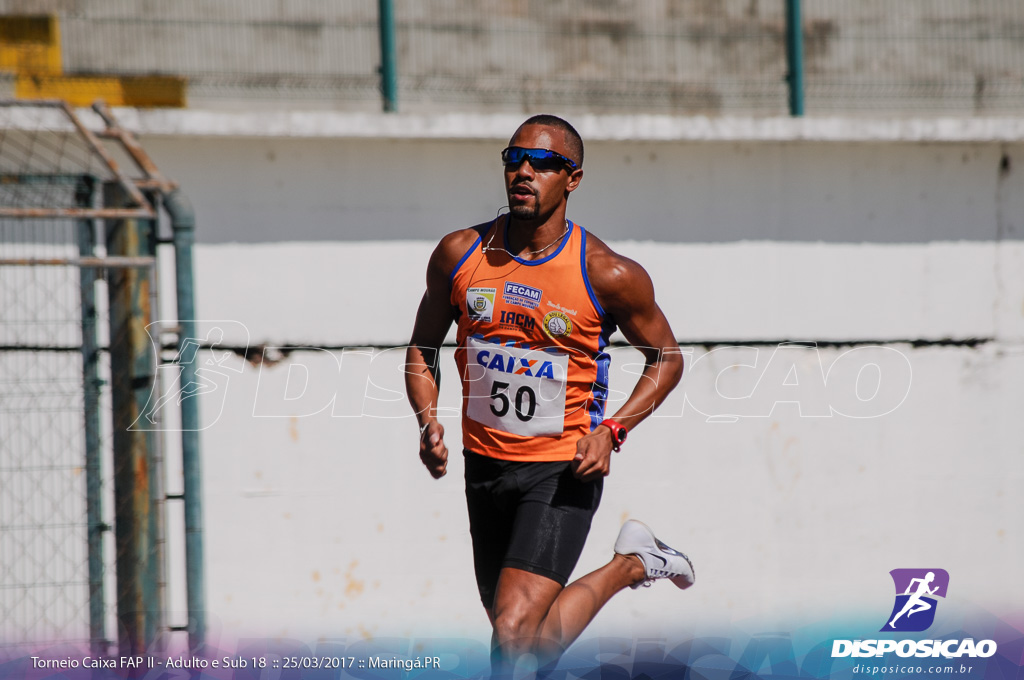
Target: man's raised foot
659,560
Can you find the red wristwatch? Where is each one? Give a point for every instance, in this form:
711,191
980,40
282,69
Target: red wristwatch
618,433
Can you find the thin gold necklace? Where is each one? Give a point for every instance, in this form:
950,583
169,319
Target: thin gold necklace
488,248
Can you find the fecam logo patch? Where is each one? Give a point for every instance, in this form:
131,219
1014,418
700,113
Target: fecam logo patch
523,296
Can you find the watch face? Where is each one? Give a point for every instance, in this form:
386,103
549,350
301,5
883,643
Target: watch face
618,432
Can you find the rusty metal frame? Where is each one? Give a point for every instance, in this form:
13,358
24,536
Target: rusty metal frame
133,188
77,213
154,179
110,261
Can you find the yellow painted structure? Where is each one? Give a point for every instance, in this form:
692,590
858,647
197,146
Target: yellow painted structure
142,91
30,48
30,44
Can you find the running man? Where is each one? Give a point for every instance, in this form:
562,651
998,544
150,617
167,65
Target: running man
535,298
915,603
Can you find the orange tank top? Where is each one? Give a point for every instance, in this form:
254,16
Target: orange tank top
531,340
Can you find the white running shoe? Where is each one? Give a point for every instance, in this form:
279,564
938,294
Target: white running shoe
660,561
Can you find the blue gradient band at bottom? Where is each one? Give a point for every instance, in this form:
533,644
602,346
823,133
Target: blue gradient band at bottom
804,652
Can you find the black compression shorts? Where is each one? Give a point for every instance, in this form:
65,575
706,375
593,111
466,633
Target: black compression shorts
529,516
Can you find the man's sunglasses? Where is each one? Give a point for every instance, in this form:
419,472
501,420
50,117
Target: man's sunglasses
540,159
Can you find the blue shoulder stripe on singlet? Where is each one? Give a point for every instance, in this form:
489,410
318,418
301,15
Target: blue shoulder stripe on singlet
583,268
480,231
602,361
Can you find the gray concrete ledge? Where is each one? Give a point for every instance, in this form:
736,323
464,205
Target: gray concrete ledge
326,124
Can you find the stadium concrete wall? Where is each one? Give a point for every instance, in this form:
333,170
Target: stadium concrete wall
796,476
679,57
848,297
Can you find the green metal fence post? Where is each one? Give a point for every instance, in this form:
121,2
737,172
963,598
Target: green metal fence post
183,223
86,197
388,56
794,58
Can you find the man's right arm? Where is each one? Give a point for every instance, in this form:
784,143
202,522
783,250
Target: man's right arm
423,357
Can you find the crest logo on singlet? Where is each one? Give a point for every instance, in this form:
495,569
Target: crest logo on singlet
557,325
480,303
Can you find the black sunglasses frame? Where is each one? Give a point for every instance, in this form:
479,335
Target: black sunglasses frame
540,159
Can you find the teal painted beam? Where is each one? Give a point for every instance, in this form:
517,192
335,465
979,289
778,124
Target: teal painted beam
86,197
388,56
794,58
183,222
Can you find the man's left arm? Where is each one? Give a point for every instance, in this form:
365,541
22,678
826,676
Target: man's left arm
625,291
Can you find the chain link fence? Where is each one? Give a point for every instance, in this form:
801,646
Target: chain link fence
80,487
942,57
44,575
44,570
681,57
714,57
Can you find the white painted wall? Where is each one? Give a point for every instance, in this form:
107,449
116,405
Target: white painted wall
306,510
335,294
321,524
302,178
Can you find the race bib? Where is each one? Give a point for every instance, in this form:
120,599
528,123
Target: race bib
516,390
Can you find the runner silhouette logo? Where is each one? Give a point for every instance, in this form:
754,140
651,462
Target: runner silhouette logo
916,593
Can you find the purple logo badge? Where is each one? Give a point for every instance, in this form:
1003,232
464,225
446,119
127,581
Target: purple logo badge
916,590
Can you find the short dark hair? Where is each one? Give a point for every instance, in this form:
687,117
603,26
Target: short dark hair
572,138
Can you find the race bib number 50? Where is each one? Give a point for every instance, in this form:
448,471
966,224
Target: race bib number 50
515,390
